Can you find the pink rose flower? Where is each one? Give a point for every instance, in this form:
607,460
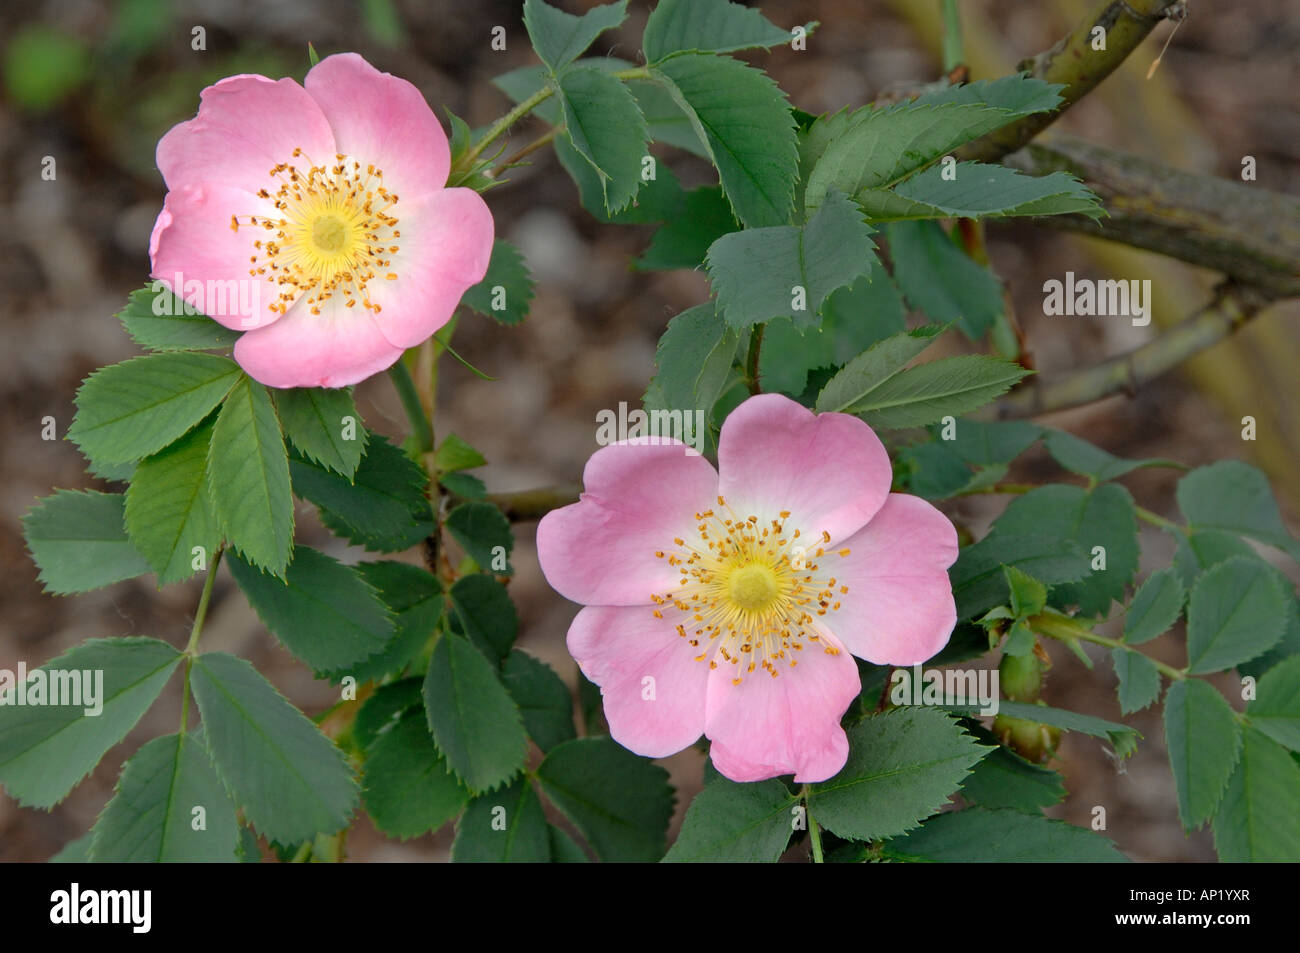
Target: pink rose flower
315,219
727,603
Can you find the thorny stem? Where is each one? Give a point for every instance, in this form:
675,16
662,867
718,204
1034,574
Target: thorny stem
191,647
420,424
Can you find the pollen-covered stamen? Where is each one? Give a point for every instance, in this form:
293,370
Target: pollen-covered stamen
754,592
332,233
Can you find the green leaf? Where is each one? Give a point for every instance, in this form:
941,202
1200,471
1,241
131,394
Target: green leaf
694,357
464,485
1028,595
1079,456
1122,738
949,386
291,781
873,368
1204,741
248,478
543,699
707,26
977,835
941,280
1155,607
507,288
168,512
323,612
383,509
852,319
876,148
619,802
382,710
743,119
564,850
78,539
484,533
323,423
1237,611
46,749
1103,516
605,126
486,614
1004,779
1020,94
409,788
473,718
1275,710
685,239
158,320
455,454
977,578
559,38
127,411
1257,820
414,599
736,824
992,442
1139,680
75,852
1234,496
507,827
902,766
976,190
152,814
788,270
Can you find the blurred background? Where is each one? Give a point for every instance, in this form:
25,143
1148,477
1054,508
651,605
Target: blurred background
95,85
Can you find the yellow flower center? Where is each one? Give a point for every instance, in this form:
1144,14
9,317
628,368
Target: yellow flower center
753,593
333,233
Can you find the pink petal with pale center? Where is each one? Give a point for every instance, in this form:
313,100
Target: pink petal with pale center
382,119
899,609
194,247
246,125
445,247
766,727
830,471
653,689
637,498
338,347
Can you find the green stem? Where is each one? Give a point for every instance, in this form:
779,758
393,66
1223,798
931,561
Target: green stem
814,832
953,53
405,385
1057,625
200,614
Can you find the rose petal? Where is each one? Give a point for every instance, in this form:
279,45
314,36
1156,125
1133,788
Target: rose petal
382,119
619,648
338,347
766,727
829,470
899,609
246,125
601,550
201,259
444,249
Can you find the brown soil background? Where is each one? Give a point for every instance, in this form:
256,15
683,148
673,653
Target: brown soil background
72,249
